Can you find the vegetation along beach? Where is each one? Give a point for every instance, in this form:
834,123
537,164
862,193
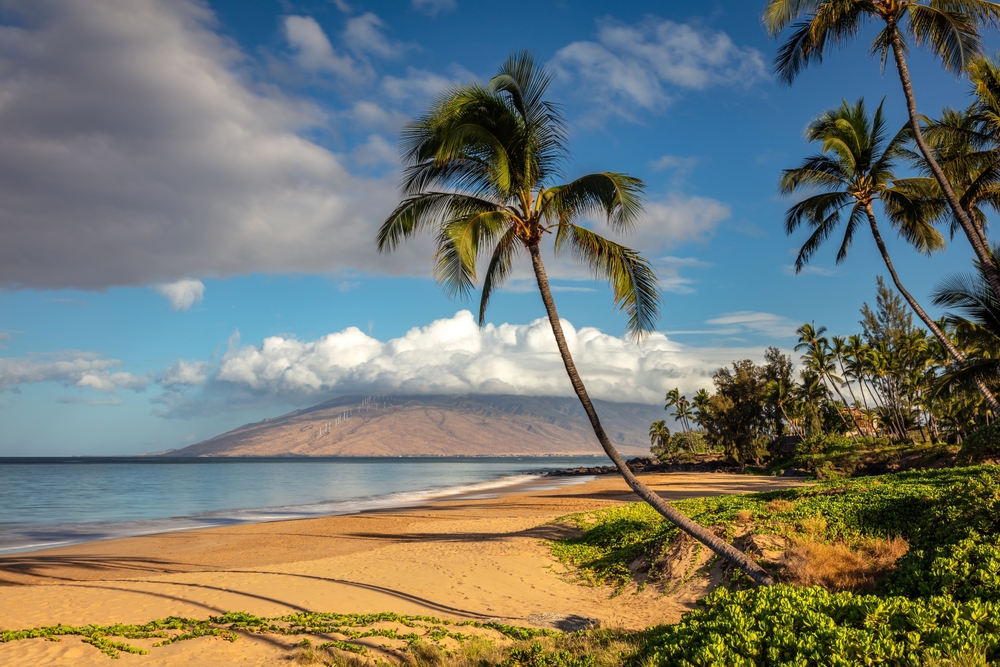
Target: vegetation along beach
446,334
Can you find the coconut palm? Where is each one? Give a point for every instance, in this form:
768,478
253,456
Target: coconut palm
659,437
950,28
683,412
974,315
480,170
854,170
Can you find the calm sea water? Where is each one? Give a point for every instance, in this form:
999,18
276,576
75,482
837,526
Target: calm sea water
47,502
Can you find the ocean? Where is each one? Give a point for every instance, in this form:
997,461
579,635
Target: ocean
49,502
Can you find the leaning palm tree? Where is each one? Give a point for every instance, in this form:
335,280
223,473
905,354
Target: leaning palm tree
951,28
854,170
480,171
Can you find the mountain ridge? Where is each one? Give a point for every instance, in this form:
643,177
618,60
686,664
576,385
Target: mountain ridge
435,425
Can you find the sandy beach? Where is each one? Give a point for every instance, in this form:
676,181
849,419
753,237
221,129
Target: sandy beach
455,559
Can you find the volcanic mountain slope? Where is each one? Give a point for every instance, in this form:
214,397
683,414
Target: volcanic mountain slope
437,426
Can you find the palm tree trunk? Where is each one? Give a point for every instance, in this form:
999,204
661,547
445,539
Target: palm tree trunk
833,384
725,550
971,231
931,324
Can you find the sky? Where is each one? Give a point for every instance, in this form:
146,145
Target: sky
189,195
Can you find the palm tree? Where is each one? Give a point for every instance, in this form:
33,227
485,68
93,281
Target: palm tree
479,172
683,411
672,400
855,169
659,437
819,359
950,28
975,318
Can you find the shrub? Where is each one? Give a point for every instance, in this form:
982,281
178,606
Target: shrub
784,625
694,442
982,446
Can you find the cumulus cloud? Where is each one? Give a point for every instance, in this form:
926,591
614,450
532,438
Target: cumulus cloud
134,153
182,294
79,369
454,355
643,65
432,7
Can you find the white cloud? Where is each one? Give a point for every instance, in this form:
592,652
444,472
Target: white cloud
182,294
678,219
186,373
432,7
643,65
364,36
313,50
454,355
80,369
135,154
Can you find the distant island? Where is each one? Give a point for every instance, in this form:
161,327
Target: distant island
472,425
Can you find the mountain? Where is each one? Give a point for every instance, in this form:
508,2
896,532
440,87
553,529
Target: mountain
437,426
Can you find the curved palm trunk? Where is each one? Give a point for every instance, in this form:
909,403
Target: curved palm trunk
976,238
698,532
931,324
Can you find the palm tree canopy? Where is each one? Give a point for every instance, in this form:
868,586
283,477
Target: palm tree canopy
855,168
950,28
479,171
974,316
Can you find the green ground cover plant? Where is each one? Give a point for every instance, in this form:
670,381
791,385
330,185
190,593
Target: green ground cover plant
420,630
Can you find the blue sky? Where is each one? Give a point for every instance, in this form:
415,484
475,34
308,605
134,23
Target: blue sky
191,192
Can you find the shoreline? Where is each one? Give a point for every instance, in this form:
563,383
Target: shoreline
27,535
454,558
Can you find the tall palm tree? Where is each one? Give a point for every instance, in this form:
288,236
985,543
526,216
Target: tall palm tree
672,400
950,28
683,412
854,170
819,359
659,436
480,171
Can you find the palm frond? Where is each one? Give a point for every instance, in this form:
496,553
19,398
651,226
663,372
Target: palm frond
460,242
418,212
499,268
779,13
618,197
952,35
633,281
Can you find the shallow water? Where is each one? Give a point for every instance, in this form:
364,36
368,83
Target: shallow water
54,502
